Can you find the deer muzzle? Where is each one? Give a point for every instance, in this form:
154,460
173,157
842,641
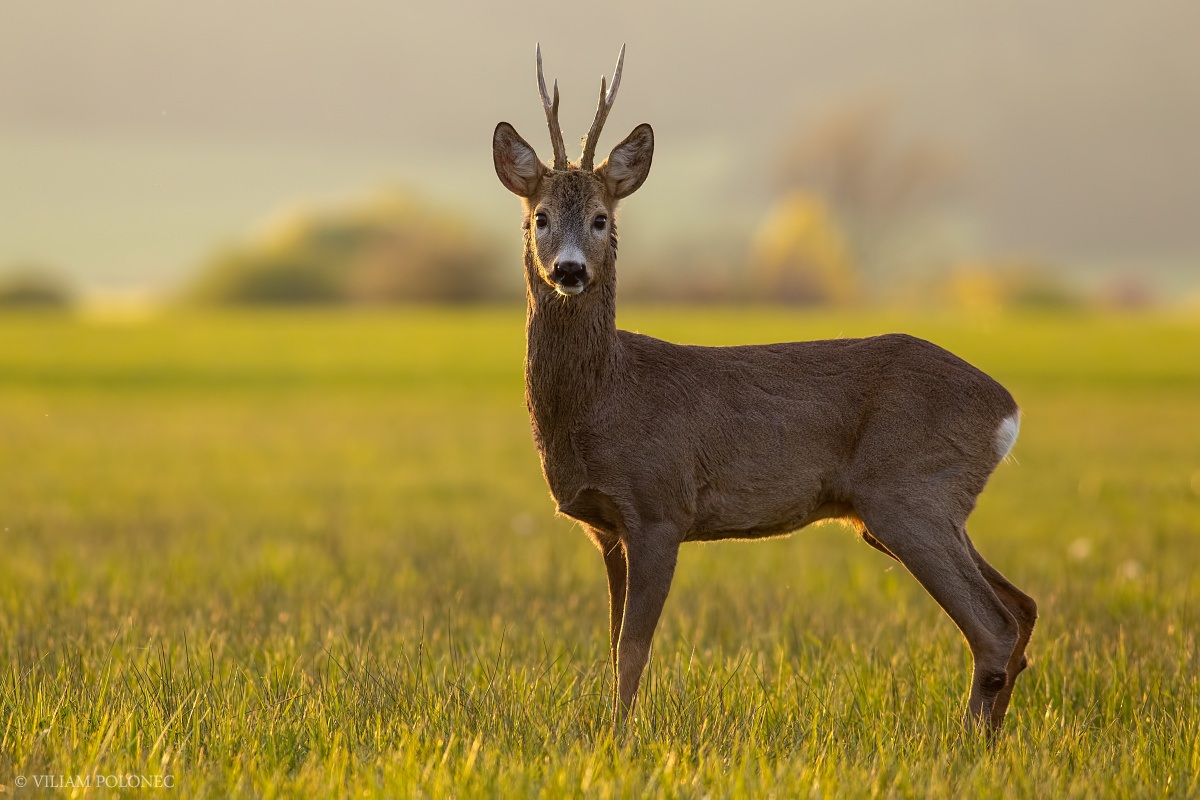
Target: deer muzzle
569,277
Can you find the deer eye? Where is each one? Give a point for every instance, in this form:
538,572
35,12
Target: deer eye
600,222
541,220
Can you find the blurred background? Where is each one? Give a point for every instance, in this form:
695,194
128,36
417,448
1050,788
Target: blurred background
932,152
315,550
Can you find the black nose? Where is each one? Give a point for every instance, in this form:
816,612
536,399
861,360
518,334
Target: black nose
568,273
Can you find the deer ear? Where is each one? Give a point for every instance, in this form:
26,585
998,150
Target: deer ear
628,164
517,166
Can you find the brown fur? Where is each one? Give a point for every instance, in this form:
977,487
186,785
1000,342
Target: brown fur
651,444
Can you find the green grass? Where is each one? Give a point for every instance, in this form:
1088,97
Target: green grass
310,555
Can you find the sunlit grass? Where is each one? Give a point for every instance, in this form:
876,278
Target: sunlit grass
313,554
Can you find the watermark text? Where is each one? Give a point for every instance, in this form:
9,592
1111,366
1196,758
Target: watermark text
95,780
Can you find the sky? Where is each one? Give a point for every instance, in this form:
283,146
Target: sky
137,137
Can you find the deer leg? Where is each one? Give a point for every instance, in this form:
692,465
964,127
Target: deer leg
615,568
939,557
878,545
651,566
613,551
1024,610
615,565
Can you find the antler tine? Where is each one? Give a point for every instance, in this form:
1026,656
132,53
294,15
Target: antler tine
551,107
605,105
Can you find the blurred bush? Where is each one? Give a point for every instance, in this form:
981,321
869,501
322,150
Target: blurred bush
994,286
799,255
1127,292
388,248
33,286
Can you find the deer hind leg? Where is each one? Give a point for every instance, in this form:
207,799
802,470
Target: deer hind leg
1024,610
651,567
938,555
878,545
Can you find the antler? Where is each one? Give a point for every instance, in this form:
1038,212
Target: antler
551,106
606,104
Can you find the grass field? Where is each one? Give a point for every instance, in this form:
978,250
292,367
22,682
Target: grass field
311,555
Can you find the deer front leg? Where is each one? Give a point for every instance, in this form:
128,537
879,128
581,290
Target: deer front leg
650,564
615,566
613,551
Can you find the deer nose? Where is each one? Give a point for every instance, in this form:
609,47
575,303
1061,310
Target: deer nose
568,272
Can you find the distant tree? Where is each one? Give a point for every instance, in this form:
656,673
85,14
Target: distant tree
875,182
33,286
799,255
386,249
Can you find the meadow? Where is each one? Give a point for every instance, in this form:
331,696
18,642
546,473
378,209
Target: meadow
312,554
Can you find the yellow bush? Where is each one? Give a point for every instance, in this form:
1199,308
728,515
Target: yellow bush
799,254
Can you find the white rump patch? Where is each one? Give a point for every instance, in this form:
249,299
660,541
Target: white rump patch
1006,434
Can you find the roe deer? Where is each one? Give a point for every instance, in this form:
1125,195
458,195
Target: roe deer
650,444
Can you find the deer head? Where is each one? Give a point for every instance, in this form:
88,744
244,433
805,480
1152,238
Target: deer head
570,232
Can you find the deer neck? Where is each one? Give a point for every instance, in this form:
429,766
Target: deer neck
572,361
